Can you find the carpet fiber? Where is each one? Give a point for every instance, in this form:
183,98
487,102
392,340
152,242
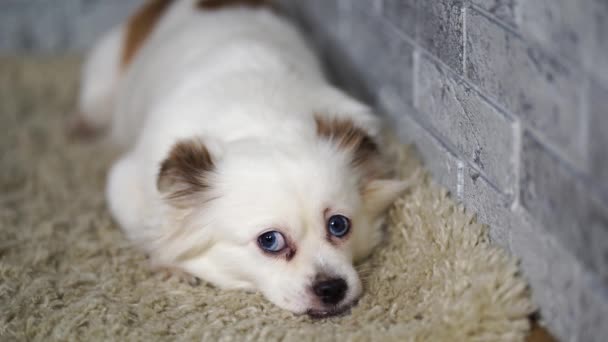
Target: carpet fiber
67,273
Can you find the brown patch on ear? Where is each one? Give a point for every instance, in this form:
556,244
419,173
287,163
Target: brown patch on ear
218,4
348,136
140,25
184,172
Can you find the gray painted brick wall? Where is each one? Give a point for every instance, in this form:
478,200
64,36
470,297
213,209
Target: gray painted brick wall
506,100
528,82
479,132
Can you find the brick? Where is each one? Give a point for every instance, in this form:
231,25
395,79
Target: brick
535,251
442,163
599,50
327,25
14,5
597,244
319,19
320,22
574,302
380,55
598,139
574,30
402,14
568,28
492,207
593,308
566,205
318,12
371,7
478,131
542,92
439,29
503,9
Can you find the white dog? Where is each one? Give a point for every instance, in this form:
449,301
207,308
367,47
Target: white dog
243,166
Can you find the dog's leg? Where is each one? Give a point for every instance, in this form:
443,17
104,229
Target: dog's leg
127,203
125,197
100,74
168,272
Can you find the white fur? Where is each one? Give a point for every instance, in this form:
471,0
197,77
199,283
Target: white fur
244,82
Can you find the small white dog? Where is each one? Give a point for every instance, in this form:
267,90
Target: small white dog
243,165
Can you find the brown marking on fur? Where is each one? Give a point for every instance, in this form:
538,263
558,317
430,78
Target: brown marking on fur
290,253
219,4
348,136
183,173
140,26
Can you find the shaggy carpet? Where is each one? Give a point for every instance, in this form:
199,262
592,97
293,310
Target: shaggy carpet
67,272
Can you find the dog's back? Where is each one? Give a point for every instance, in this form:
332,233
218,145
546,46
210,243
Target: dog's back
187,49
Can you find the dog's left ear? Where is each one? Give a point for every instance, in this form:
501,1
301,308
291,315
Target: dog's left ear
185,174
378,192
347,136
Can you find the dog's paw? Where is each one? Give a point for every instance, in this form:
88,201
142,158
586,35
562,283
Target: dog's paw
168,272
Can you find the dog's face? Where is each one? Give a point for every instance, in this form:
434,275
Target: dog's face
289,221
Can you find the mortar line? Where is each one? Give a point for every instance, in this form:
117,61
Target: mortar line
585,136
415,70
464,37
379,8
460,180
517,155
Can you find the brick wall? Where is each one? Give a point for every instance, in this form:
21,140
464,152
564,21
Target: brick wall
506,100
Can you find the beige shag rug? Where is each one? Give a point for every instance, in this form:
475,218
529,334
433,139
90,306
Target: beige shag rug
67,273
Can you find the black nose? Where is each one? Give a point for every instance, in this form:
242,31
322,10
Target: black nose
330,291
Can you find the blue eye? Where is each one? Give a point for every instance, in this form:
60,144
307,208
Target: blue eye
338,225
272,241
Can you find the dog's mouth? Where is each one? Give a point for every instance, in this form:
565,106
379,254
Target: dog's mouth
342,310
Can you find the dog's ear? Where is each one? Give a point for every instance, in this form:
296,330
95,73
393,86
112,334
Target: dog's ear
378,191
186,172
349,137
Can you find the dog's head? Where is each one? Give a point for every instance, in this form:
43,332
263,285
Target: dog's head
289,220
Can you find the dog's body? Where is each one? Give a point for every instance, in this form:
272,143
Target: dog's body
234,140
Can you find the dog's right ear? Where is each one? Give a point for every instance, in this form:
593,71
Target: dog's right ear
185,174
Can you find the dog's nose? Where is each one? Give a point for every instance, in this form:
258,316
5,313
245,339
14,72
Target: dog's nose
330,291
